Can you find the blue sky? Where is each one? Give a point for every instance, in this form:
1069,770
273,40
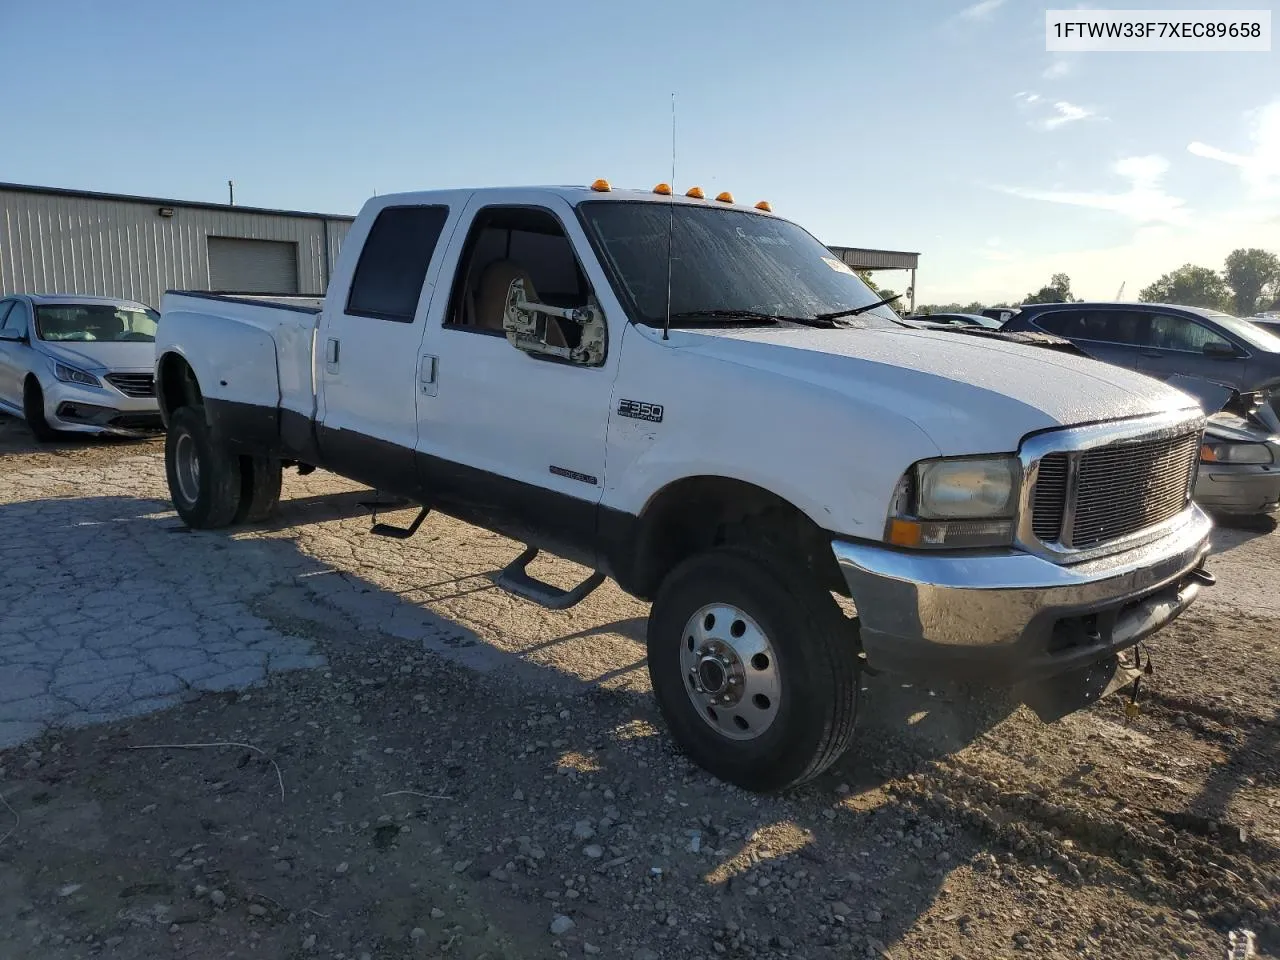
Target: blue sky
941,126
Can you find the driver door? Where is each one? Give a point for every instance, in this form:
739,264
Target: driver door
514,440
13,353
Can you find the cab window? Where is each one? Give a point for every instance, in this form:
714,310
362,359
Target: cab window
508,243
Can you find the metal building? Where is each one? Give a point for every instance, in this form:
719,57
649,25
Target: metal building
75,241
862,259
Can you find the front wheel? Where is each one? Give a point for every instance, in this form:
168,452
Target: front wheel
33,412
204,478
755,668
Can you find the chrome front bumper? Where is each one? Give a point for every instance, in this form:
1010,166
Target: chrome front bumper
1011,616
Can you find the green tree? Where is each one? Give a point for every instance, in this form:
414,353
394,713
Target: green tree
1253,274
1190,286
1058,291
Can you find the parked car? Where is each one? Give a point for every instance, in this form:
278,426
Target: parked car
1163,340
960,320
696,399
1239,475
78,364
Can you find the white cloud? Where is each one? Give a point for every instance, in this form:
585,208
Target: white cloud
1064,113
1051,116
1057,69
1260,168
982,9
1144,202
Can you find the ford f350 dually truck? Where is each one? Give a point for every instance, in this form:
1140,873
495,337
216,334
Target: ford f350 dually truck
696,399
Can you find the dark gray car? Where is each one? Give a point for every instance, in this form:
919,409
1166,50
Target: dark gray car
1163,340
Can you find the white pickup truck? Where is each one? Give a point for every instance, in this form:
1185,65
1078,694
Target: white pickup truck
696,399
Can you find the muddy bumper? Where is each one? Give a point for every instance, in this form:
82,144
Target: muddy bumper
1010,618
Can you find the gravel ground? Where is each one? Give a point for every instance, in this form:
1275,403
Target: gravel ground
418,765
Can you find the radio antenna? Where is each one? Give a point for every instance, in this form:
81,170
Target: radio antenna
671,218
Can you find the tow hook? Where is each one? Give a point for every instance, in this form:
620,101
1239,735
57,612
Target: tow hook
1131,709
1206,578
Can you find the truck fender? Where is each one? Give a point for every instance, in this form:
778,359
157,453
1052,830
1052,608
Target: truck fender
235,370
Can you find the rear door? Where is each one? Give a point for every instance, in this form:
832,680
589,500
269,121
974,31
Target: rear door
367,349
1113,335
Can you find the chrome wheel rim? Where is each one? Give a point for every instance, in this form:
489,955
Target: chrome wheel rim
186,462
730,671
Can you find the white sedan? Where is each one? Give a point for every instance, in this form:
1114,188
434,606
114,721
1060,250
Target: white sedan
78,364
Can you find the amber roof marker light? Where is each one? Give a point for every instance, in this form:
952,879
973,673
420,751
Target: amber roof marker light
696,193
724,197
765,206
601,186
663,188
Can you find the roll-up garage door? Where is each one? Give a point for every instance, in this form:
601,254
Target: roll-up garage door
253,266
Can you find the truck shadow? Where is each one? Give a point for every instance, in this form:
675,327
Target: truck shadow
866,843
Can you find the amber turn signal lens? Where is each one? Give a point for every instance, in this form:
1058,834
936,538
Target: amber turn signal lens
904,533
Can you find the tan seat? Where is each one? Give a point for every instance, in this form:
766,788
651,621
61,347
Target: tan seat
491,298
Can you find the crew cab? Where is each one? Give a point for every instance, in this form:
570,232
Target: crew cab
694,398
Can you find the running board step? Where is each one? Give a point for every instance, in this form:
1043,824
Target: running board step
400,533
515,578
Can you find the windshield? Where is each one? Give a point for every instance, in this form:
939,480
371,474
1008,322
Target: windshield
1250,333
724,261
88,322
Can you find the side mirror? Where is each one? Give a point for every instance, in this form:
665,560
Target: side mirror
1222,350
525,324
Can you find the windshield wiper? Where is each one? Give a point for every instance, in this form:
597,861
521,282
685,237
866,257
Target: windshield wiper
837,314
751,316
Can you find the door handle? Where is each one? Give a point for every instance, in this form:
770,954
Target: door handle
427,374
331,352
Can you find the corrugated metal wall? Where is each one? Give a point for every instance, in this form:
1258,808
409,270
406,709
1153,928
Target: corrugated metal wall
53,243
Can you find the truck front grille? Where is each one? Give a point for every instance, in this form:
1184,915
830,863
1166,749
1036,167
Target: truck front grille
1113,491
133,384
1050,497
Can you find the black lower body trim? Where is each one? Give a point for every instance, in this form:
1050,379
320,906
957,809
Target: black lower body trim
244,427
578,530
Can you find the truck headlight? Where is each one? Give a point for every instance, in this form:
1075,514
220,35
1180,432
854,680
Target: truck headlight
956,502
71,375
1215,451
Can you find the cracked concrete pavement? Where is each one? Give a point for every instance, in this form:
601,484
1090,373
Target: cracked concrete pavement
111,608
106,616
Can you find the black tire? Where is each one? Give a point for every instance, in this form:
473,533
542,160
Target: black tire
216,485
33,412
259,489
814,644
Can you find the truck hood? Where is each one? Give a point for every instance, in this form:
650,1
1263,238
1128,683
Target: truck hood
968,394
98,355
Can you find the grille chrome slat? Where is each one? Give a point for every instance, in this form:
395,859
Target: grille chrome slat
1087,498
1050,497
133,384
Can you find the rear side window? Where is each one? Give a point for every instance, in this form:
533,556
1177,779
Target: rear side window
1103,326
394,261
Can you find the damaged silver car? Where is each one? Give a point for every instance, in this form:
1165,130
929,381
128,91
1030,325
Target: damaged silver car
1239,476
